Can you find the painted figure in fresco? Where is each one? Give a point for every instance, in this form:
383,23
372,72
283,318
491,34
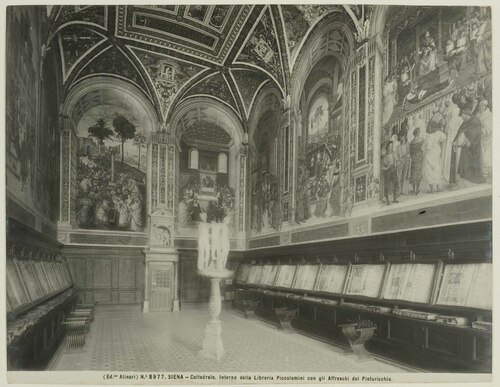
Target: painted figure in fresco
302,199
484,116
449,56
432,169
274,205
389,98
404,85
124,217
102,213
481,44
256,214
428,53
461,49
85,215
469,167
183,210
334,189
403,161
137,221
388,167
451,155
417,158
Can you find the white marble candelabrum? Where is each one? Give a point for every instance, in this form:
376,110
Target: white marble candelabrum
213,249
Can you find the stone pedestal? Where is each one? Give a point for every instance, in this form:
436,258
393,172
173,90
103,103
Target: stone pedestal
213,347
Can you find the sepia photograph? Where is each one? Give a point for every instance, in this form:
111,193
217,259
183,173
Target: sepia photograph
248,193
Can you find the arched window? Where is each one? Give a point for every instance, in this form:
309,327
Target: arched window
222,163
193,158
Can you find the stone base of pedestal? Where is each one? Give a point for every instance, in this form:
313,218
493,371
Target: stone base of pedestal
176,306
213,348
145,307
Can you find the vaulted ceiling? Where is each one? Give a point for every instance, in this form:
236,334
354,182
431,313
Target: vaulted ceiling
176,52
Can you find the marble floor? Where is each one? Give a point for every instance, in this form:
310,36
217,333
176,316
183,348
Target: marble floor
124,339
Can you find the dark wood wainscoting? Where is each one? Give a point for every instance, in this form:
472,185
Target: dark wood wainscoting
107,275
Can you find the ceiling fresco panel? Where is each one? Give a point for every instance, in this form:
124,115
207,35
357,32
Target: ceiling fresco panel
93,14
75,42
248,83
205,32
299,20
215,86
114,62
167,75
262,50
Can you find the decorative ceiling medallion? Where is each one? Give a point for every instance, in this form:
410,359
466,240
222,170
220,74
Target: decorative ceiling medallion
262,50
90,14
113,61
75,42
167,75
216,86
248,82
208,33
299,21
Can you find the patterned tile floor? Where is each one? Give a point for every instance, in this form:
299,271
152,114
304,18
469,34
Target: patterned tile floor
124,339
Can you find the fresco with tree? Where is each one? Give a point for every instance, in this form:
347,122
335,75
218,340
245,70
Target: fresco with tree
111,172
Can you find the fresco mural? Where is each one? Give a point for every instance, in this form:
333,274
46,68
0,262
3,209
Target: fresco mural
437,105
318,194
432,55
31,124
111,171
266,214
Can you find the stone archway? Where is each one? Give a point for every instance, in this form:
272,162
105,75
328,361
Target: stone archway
104,97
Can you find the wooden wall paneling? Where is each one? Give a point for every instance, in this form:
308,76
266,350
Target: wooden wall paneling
110,275
89,273
102,273
127,273
114,273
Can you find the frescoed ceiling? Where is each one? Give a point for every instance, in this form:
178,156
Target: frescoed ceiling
206,132
174,52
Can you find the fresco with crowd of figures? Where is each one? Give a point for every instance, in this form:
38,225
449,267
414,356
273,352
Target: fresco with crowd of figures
437,104
111,171
435,113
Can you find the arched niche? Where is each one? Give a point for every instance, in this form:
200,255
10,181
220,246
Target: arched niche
318,103
104,157
265,162
209,192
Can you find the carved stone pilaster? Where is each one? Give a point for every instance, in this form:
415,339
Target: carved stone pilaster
163,159
68,162
242,178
